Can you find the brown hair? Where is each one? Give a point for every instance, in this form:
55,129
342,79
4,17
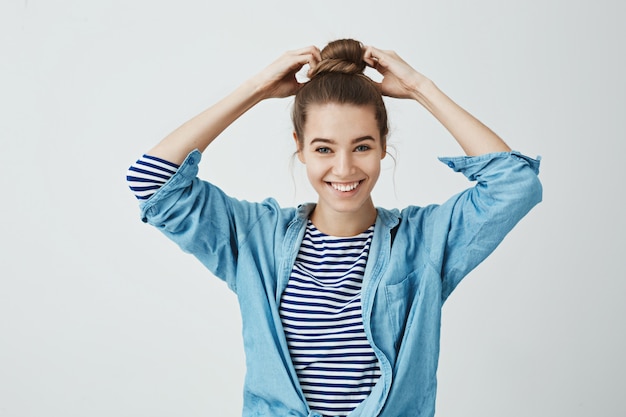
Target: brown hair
339,78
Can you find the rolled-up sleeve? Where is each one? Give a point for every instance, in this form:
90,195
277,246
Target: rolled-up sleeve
202,219
476,220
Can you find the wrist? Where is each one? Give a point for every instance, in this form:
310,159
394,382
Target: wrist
422,89
253,91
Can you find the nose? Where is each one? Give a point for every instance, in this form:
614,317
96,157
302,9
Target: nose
344,165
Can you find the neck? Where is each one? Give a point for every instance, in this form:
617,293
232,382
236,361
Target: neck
343,223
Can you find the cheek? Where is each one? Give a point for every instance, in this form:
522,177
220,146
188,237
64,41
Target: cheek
374,168
314,171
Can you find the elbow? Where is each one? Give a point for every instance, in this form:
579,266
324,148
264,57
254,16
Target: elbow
528,192
534,189
538,190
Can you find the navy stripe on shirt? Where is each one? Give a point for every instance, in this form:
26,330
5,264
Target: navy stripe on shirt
148,174
323,322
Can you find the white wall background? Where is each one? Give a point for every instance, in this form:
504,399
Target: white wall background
102,316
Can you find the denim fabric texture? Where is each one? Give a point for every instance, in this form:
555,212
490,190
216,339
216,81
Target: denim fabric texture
252,247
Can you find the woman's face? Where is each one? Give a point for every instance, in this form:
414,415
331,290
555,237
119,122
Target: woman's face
342,150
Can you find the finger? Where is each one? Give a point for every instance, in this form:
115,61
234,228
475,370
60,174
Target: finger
297,62
310,55
309,50
373,53
377,59
370,56
314,56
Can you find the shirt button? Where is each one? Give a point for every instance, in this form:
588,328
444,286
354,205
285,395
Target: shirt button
451,164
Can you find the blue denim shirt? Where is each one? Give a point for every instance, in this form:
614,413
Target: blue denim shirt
418,256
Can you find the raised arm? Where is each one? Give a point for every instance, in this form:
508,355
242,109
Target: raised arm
400,80
275,81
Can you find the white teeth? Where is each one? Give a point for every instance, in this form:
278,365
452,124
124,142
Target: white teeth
345,187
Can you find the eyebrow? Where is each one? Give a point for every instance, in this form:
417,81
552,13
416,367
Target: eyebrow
357,140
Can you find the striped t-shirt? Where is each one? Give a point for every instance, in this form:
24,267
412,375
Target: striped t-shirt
148,174
323,322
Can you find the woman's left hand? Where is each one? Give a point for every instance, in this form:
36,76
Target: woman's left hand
400,80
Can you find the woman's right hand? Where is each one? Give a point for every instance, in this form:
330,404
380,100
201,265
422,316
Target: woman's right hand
278,80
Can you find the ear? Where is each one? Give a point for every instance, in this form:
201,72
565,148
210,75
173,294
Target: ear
384,151
298,150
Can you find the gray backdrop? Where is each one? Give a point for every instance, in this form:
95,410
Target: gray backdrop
100,315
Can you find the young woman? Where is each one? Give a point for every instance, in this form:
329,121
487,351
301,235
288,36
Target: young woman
340,300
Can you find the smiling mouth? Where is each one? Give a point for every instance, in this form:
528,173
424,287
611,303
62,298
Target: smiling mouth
345,186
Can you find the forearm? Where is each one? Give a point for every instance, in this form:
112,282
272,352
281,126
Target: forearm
201,130
473,136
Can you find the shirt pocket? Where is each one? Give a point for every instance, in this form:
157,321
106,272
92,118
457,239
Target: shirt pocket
399,297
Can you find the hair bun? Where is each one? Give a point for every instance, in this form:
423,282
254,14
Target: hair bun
343,56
